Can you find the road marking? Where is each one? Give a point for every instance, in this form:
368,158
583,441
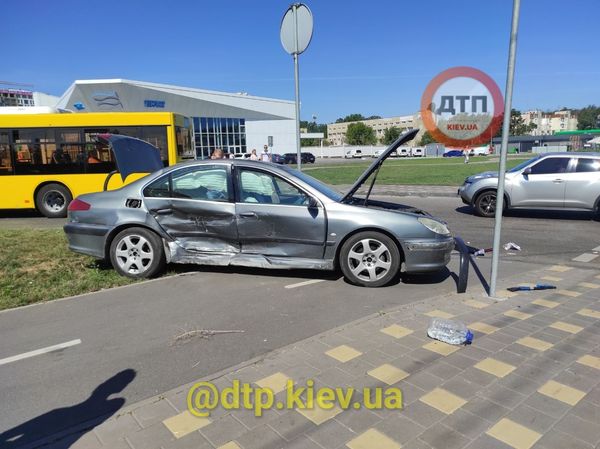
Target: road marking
585,257
29,354
302,284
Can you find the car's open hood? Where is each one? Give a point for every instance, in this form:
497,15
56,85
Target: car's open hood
133,155
406,137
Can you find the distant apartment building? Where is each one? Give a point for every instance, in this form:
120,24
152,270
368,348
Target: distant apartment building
25,98
548,123
336,132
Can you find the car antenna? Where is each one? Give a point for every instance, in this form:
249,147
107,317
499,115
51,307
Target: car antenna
372,184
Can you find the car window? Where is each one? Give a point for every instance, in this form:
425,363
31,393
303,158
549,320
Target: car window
585,165
550,165
264,188
201,183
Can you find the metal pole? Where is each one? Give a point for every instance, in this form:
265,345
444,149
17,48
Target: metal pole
510,73
297,82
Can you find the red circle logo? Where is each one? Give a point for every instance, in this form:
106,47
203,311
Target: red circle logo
462,106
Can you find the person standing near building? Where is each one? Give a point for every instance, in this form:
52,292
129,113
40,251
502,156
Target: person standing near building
253,155
265,156
217,154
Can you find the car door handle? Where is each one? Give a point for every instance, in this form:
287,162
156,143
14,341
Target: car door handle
167,211
558,181
248,215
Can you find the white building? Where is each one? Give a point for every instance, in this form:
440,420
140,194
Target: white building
548,123
336,132
237,123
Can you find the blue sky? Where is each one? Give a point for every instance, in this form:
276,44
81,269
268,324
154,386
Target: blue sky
366,57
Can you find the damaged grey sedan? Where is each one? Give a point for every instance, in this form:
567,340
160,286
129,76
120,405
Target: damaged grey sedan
254,214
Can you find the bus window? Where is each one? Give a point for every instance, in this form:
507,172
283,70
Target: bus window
5,157
184,143
157,136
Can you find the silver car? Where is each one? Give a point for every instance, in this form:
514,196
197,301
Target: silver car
256,214
550,181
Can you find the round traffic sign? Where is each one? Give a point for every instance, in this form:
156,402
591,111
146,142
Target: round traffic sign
296,28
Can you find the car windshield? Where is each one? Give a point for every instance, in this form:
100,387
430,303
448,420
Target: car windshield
522,165
315,184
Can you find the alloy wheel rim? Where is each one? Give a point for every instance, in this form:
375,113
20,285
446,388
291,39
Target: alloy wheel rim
134,254
488,203
369,260
54,201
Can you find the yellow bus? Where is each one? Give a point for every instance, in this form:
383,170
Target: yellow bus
46,160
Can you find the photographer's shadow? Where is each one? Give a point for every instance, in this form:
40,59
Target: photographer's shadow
97,407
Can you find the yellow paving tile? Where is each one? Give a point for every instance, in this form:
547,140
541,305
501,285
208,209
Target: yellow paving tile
440,347
397,331
505,294
319,415
513,434
373,439
343,353
589,285
495,367
518,315
559,268
230,445
562,326
476,304
534,343
546,303
589,360
439,314
443,400
388,373
275,382
589,312
185,423
560,392
552,278
482,327
569,293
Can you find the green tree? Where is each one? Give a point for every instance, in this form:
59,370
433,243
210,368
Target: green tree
351,118
360,134
517,125
426,139
313,127
390,135
588,117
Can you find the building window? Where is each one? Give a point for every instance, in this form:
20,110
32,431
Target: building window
229,134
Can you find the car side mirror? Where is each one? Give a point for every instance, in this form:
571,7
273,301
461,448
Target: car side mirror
526,172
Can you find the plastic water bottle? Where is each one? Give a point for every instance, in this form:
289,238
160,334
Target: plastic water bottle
448,331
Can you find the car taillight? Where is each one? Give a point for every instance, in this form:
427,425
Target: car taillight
77,204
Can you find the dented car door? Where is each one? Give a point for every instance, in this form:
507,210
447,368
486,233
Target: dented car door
276,218
195,207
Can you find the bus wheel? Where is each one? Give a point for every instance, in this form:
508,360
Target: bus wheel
52,200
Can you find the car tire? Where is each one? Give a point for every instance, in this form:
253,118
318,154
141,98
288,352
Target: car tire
369,259
485,204
52,200
137,253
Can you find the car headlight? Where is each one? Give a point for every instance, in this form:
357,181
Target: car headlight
434,226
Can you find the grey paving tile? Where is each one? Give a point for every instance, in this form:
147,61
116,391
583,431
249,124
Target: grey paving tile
302,442
573,377
424,380
460,361
467,423
193,440
375,357
424,356
423,414
113,429
409,365
519,384
262,437
291,424
461,387
399,428
476,376
539,368
357,420
223,430
490,343
503,396
152,437
587,410
510,357
580,428
532,418
487,442
150,414
335,377
554,439
443,370
394,349
356,367
248,419
331,434
85,440
410,393
547,405
486,409
442,437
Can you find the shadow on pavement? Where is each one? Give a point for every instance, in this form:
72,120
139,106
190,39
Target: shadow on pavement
537,214
97,406
21,213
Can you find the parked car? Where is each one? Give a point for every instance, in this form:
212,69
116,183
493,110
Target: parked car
353,153
453,153
306,158
277,158
549,181
249,213
479,151
417,152
404,152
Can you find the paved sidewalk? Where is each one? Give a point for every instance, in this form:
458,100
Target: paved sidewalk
407,190
531,378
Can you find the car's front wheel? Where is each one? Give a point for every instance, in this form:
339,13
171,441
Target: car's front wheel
137,253
485,204
369,259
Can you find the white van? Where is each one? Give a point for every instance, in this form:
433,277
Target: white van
403,152
417,152
353,153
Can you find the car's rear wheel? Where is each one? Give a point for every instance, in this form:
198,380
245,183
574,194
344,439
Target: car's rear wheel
52,200
137,253
369,259
485,204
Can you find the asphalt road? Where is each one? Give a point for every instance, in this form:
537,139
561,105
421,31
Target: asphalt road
136,327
